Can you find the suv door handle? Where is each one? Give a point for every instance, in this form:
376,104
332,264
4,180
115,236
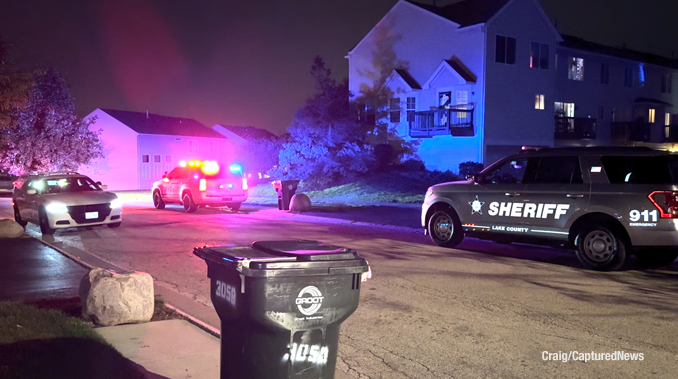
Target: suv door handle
512,194
571,196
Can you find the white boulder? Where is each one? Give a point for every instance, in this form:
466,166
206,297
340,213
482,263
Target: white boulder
109,298
300,203
10,229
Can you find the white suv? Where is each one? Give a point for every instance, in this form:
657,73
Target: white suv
60,200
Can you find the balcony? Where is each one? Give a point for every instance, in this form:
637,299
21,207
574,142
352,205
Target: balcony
623,132
455,121
575,128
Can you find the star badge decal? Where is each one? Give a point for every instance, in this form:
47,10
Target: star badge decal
476,206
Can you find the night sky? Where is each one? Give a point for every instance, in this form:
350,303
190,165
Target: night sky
247,62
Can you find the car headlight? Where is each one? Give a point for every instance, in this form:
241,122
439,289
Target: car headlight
56,208
116,203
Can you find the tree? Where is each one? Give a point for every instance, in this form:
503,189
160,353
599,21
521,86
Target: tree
326,142
39,128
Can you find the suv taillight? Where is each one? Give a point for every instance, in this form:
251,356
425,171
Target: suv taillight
203,185
666,202
244,184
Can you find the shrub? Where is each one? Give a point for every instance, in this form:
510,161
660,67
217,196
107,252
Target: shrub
412,165
469,168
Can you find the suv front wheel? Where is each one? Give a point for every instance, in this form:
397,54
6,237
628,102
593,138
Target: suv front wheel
158,202
600,248
44,222
444,228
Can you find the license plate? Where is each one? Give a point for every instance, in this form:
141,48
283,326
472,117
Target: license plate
226,198
91,215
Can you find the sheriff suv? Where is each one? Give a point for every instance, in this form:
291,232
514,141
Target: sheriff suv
58,200
605,202
201,184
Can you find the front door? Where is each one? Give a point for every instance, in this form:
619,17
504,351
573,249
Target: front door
556,192
495,204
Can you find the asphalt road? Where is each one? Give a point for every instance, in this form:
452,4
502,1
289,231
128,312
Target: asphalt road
480,311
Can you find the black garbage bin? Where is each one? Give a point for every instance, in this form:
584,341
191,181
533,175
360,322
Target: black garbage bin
285,189
281,304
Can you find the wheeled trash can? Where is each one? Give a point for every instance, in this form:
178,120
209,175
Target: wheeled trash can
281,304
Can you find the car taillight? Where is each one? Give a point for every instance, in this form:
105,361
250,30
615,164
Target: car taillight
244,184
666,202
203,185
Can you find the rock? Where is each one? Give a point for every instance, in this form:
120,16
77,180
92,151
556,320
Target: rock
300,203
109,298
10,229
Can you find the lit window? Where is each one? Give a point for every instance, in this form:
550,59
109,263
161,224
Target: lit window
539,102
539,55
505,50
667,132
462,103
145,158
667,119
395,110
576,71
604,73
650,116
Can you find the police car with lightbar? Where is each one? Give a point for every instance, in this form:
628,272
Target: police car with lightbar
608,203
197,184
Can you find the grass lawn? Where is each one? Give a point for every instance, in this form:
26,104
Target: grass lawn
48,339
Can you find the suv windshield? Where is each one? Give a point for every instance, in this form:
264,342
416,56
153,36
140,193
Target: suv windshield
661,169
65,184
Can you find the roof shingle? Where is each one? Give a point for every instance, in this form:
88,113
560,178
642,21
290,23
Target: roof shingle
149,123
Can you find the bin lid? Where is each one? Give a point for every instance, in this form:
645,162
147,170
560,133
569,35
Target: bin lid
290,254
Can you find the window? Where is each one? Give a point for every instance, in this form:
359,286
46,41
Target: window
505,50
511,171
576,69
564,109
604,73
628,77
394,112
667,119
641,169
192,146
145,158
614,114
462,99
554,170
411,108
444,99
539,102
156,158
650,115
666,83
168,158
601,112
539,55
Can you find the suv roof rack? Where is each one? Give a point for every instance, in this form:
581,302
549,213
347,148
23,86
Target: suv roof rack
51,173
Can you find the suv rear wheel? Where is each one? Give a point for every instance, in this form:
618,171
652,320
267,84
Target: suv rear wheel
444,228
234,206
600,248
189,205
158,202
44,223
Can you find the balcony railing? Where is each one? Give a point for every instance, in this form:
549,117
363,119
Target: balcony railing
455,121
575,128
631,131
623,132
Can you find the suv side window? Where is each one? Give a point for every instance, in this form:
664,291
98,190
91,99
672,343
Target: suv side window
554,170
178,173
641,169
511,171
